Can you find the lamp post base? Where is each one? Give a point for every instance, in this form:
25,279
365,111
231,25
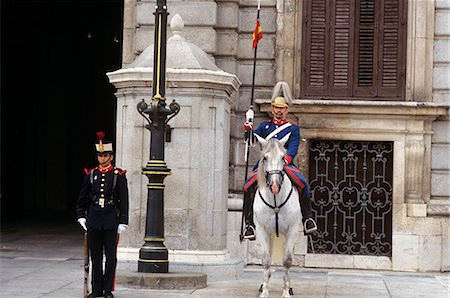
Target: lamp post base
150,266
153,258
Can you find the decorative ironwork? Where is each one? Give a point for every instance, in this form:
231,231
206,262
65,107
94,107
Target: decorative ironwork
351,185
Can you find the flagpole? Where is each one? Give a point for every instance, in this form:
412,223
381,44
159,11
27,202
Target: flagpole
249,115
254,61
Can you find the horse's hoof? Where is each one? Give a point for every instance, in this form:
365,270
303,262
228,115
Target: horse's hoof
291,292
264,295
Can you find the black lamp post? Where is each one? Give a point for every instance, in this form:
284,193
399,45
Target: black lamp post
153,255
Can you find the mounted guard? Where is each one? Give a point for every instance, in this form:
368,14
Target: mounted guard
278,127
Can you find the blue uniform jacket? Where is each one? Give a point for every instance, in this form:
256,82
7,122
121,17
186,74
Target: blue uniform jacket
266,127
110,215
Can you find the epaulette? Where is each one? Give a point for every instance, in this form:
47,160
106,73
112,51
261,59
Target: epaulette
119,171
87,172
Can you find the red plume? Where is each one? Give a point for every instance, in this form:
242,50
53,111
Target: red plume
100,135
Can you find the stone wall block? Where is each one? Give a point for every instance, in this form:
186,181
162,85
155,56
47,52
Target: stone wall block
445,245
442,4
442,96
175,226
442,50
245,99
192,13
405,252
441,77
439,183
227,64
236,249
228,43
440,156
430,253
442,22
372,262
203,37
177,189
267,17
254,3
430,226
237,125
266,47
180,156
401,224
227,15
264,73
143,38
329,260
441,131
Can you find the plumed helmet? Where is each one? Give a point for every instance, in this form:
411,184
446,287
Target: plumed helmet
280,102
101,147
281,95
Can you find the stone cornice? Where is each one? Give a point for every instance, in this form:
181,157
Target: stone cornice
357,107
179,78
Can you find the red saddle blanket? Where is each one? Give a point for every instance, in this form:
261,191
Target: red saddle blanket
294,174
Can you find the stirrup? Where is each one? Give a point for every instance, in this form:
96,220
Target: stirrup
249,232
312,229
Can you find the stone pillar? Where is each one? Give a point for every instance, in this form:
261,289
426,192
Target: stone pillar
196,152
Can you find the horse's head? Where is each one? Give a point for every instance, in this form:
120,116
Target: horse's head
270,169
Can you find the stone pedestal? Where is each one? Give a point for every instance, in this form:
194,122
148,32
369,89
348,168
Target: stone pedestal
197,150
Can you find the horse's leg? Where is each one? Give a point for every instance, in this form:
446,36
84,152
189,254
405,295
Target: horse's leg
287,260
264,240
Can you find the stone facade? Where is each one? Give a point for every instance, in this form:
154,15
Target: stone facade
223,29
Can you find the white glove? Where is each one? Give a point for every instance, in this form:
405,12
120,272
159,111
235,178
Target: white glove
121,228
82,222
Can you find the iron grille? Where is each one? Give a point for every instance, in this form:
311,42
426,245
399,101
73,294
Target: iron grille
351,185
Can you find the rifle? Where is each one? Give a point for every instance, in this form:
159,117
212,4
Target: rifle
86,265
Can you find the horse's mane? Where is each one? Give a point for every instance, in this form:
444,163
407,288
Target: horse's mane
272,145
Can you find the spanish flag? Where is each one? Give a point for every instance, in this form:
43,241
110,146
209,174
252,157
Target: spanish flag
257,34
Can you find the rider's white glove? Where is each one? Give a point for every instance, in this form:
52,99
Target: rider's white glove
82,222
121,228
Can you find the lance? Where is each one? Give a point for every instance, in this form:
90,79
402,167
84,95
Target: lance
250,114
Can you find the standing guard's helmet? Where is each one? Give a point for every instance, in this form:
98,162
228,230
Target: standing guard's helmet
103,147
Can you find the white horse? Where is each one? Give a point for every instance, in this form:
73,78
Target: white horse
276,209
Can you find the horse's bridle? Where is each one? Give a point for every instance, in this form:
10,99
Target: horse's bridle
276,208
274,172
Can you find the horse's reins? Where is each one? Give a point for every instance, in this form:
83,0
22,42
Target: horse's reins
276,208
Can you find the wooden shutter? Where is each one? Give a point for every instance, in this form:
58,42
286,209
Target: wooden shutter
366,49
341,48
316,39
354,49
392,54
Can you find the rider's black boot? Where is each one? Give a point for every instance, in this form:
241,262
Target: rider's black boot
249,230
309,224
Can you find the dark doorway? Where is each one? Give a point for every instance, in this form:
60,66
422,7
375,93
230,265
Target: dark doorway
54,97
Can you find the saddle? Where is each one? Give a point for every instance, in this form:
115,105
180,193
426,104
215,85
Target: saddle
294,174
